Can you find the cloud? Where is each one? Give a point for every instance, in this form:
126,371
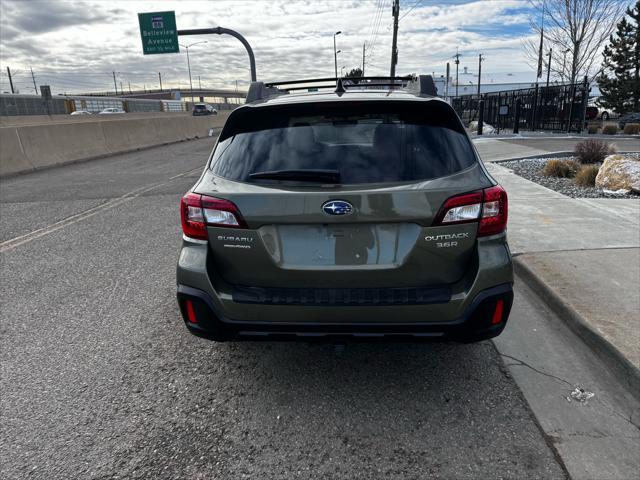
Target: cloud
77,45
41,16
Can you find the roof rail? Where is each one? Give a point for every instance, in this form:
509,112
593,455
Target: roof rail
421,85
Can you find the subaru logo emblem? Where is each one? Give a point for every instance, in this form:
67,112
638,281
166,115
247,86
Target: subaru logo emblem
337,207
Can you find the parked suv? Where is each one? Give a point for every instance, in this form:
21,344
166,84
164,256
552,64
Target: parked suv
357,214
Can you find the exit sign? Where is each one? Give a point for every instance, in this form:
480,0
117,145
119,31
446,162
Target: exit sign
158,32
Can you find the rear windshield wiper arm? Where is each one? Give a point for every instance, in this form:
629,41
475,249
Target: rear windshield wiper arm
311,175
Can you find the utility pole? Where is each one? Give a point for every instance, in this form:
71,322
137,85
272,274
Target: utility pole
199,83
363,48
457,62
129,86
480,59
115,85
34,80
549,67
394,46
160,79
121,89
10,80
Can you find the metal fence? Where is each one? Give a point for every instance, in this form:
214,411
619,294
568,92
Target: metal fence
558,108
18,104
31,105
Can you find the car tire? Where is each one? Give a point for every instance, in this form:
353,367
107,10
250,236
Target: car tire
605,116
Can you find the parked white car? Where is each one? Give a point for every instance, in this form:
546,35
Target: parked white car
81,112
111,111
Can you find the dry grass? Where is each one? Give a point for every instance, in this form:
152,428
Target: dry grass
610,129
560,168
586,176
593,151
632,129
592,129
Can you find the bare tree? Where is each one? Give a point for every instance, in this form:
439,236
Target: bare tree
576,31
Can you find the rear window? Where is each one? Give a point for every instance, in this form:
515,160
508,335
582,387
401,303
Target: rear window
366,142
200,107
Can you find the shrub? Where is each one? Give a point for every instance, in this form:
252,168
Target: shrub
632,129
592,129
586,176
593,151
560,168
610,129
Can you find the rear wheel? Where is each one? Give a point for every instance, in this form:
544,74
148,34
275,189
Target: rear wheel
605,116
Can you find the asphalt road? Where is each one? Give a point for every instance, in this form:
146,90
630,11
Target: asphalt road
100,379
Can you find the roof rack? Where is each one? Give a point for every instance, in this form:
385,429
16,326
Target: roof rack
421,85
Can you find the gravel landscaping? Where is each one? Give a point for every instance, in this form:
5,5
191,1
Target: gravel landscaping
531,169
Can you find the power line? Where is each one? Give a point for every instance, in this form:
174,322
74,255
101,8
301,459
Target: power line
372,43
413,6
374,21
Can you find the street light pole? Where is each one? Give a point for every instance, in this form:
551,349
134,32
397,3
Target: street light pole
335,53
549,67
187,47
189,67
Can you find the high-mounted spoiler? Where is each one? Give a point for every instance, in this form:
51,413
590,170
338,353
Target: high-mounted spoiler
421,86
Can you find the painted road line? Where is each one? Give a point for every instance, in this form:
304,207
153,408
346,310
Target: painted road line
78,217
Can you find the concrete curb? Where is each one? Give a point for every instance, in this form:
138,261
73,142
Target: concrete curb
627,373
527,157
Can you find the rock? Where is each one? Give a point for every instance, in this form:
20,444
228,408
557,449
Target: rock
486,128
619,172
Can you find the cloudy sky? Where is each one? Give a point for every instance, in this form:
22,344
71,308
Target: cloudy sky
74,46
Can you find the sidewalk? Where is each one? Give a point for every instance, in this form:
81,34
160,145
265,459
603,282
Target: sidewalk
492,147
583,257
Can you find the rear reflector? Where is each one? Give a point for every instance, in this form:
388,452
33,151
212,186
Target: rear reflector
197,211
488,207
191,313
497,313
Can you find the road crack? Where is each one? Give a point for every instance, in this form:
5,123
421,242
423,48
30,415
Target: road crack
525,364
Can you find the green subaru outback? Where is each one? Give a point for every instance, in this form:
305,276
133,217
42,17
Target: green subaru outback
361,212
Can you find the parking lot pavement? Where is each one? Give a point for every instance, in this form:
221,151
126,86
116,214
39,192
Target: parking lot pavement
99,378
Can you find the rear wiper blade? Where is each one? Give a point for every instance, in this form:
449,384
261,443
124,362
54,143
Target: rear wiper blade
311,175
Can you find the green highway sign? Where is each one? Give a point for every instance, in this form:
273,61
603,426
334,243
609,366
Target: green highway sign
158,32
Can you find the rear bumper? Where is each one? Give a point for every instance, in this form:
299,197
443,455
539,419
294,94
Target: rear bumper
479,321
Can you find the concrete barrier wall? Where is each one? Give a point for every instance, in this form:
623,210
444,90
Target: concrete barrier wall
25,148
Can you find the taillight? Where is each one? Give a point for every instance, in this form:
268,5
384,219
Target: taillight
488,207
197,211
494,211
